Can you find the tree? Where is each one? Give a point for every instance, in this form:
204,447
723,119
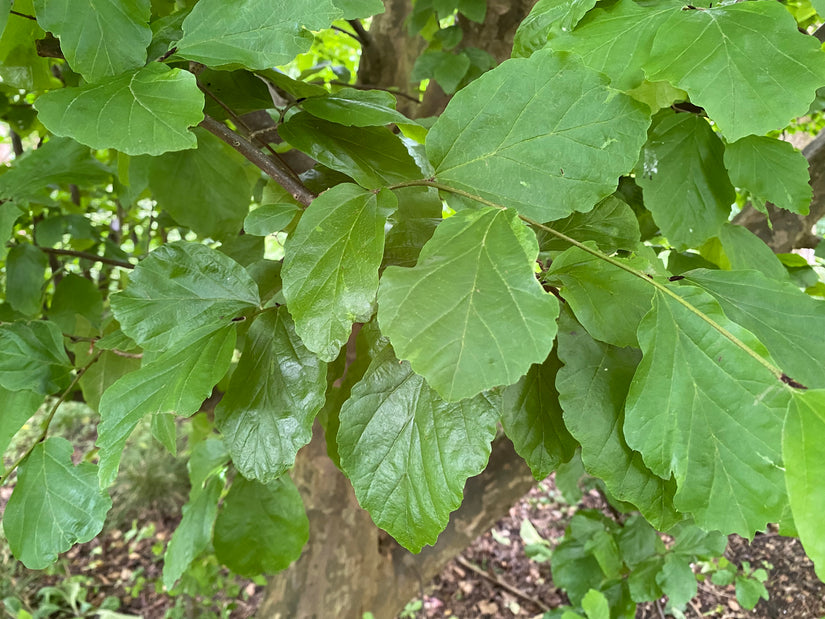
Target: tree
552,253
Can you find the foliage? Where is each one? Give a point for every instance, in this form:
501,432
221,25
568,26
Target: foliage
554,253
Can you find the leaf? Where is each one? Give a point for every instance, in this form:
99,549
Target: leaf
331,263
771,170
703,409
683,178
744,250
277,389
253,34
18,408
592,386
261,528
99,39
677,581
532,419
20,66
144,112
446,68
749,592
408,453
207,189
178,288
608,301
177,381
269,218
557,142
595,605
547,19
746,64
471,315
54,505
356,108
75,296
208,458
108,368
787,321
372,156
611,225
193,533
359,9
32,357
25,276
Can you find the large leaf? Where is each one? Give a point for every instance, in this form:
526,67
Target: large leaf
803,450
32,357
99,39
471,314
54,505
372,156
408,453
178,288
144,112
592,386
277,389
18,407
254,34
331,263
207,189
771,170
787,321
356,108
261,528
547,19
177,381
532,419
556,143
747,64
684,180
703,409
25,276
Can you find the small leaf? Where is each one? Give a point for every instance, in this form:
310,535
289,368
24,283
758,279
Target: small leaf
677,581
547,19
54,505
99,39
269,218
356,108
25,276
749,592
595,605
254,34
471,315
265,426
408,453
331,263
556,143
32,357
178,288
261,528
144,112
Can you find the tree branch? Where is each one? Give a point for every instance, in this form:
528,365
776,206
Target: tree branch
87,256
274,168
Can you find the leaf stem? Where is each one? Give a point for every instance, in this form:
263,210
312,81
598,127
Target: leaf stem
5,476
610,260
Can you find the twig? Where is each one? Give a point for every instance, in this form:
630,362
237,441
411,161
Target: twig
658,605
19,14
696,609
274,168
348,33
502,584
820,33
363,35
86,255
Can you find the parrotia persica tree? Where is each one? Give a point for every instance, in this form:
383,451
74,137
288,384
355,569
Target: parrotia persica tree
553,253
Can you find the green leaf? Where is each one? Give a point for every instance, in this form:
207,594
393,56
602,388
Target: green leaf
744,250
75,296
703,409
144,112
749,592
372,156
18,407
253,34
9,214
595,605
683,178
265,425
207,189
446,68
178,288
532,419
165,432
54,505
359,9
5,9
556,143
611,225
607,300
638,541
803,451
32,357
208,458
177,381
261,528
99,39
592,386
771,170
269,218
408,453
547,19
193,533
20,66
787,321
693,541
471,314
331,265
746,64
25,276
356,108
677,581
108,368
642,580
